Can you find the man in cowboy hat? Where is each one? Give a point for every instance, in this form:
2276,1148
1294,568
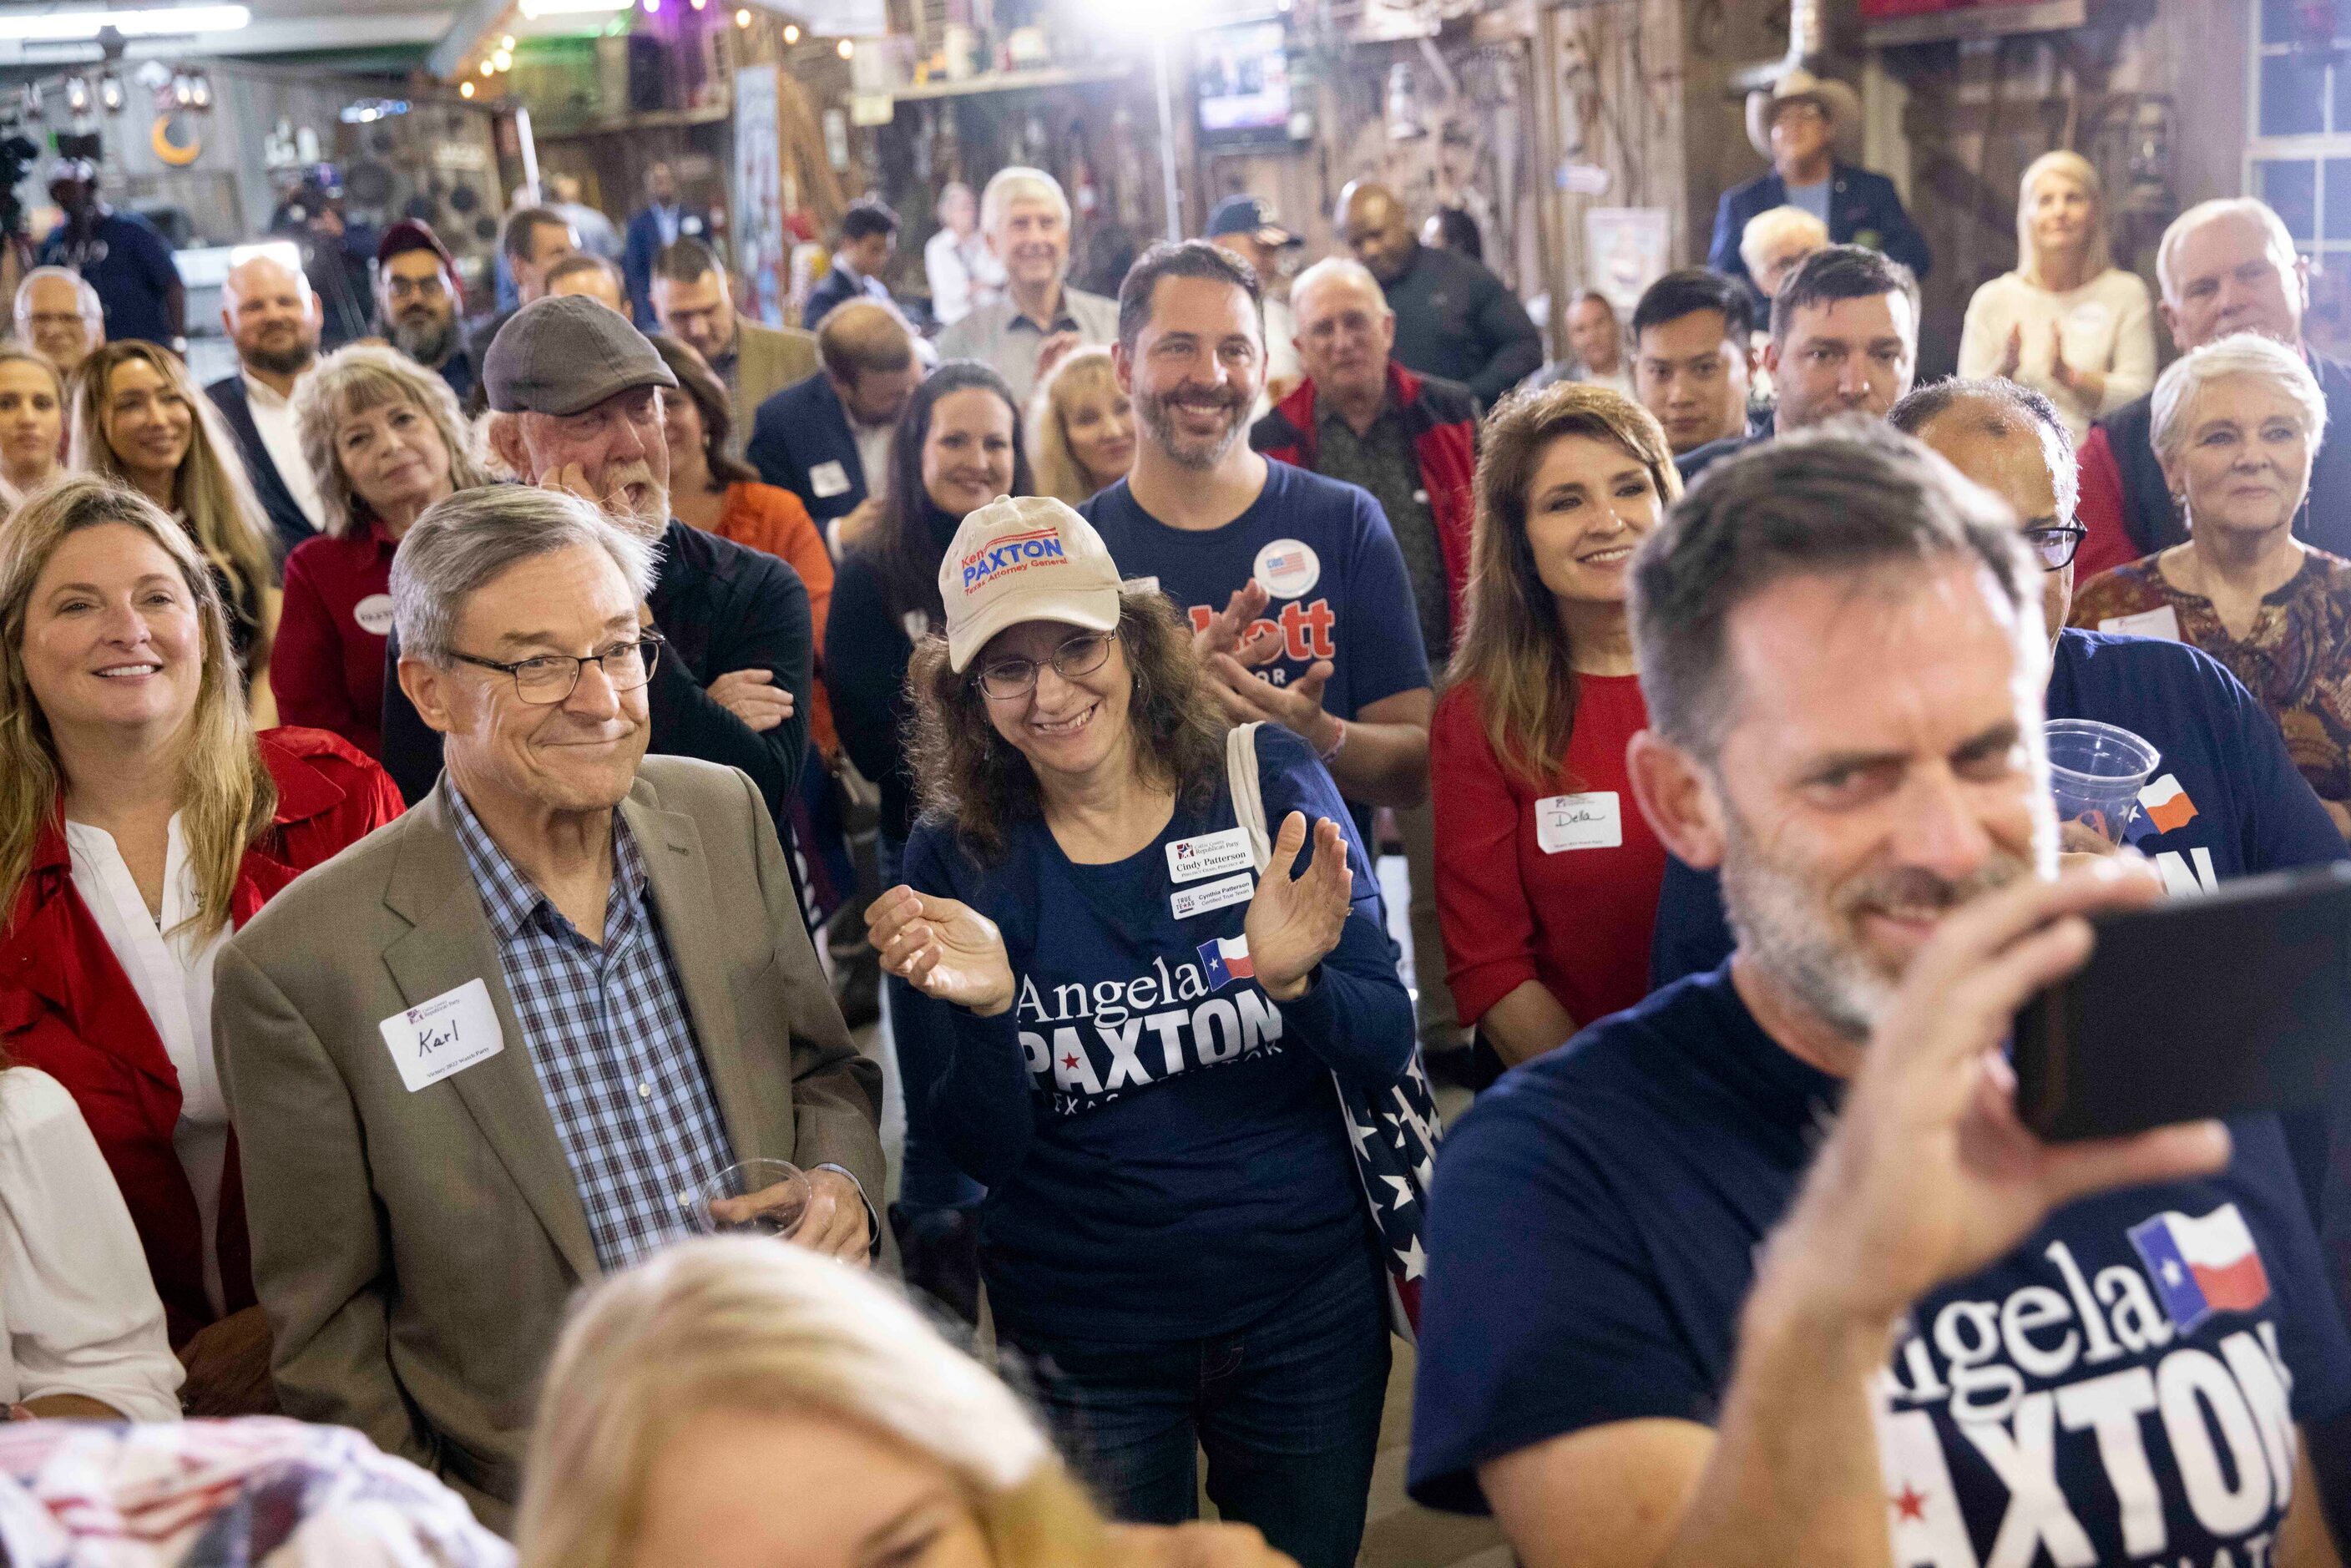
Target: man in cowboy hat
1796,125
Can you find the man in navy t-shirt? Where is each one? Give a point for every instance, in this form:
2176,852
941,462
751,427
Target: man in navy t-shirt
122,255
1766,1270
1294,585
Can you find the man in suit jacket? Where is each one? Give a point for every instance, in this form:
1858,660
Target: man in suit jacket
441,1143
272,316
1796,125
868,232
660,224
694,303
827,439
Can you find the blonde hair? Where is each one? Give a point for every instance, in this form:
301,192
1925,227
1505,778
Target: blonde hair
354,379
227,799
2099,258
742,1324
16,354
211,488
1055,467
1768,227
1513,645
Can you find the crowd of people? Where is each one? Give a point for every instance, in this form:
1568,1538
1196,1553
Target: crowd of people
427,769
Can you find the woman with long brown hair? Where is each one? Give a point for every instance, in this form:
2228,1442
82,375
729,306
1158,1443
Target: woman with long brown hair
142,819
139,420
1547,873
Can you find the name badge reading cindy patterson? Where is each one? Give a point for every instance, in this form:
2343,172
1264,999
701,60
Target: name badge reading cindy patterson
445,1035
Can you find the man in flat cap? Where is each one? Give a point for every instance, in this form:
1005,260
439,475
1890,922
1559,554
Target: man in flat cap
575,395
531,1032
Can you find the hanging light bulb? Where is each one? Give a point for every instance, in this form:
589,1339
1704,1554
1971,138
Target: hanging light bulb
791,32
78,95
489,68
846,47
653,7
109,91
465,89
200,91
507,42
502,60
743,17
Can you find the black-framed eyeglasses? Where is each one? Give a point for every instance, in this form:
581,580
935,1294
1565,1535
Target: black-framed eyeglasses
1083,655
2054,548
551,678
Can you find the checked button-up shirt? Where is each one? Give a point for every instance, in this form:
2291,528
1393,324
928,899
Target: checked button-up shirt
613,1045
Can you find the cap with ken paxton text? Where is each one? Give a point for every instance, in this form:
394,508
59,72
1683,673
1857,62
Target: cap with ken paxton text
1025,557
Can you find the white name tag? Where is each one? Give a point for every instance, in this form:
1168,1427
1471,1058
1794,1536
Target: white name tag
1187,901
448,1034
828,479
1210,854
1593,821
2159,622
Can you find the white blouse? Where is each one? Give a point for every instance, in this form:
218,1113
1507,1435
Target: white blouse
171,968
2108,325
78,1313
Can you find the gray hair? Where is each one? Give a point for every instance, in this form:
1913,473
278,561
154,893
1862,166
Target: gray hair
2167,253
92,310
2238,354
1847,498
1999,407
1773,224
462,544
354,379
1344,269
1005,186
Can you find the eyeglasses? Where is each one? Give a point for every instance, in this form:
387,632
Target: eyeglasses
2054,548
553,678
1080,656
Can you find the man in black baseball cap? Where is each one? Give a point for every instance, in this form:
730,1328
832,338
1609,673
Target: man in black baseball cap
1245,226
575,394
418,302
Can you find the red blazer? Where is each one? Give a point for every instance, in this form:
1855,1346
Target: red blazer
327,665
67,1007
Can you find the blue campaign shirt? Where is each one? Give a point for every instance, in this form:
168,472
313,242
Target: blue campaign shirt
1162,1145
2090,1397
2226,800
1324,551
129,262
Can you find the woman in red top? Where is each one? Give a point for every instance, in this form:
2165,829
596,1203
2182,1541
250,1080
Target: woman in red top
385,440
141,822
1547,873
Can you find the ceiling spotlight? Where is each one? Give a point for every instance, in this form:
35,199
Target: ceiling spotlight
743,17
846,47
109,91
465,89
78,95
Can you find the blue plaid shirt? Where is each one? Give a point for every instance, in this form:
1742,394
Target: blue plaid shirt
613,1045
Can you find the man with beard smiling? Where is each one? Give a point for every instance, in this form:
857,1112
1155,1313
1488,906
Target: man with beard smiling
273,318
1767,1269
576,404
1226,534
418,302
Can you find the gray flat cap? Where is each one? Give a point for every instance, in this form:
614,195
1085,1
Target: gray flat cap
565,354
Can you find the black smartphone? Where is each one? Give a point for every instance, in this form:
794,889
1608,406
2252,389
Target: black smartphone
2210,1005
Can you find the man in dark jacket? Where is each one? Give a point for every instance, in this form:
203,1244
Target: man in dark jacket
1453,318
868,232
2226,266
661,223
574,394
827,438
1796,125
272,315
1412,442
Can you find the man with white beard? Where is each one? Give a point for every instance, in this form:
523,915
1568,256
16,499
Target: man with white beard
575,395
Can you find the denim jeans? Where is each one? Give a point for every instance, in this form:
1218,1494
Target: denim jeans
1287,1409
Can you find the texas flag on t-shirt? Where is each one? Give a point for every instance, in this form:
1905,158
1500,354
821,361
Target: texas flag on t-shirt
2167,805
2201,1265
1225,959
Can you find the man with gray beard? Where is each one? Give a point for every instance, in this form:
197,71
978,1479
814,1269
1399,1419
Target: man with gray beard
575,395
1767,1269
1296,590
418,302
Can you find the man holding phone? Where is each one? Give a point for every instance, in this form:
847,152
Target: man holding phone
1803,1288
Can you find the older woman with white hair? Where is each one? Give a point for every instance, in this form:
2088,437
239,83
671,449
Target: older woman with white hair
2068,322
1774,241
2236,423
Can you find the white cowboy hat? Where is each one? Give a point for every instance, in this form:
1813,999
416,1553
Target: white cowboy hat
1838,101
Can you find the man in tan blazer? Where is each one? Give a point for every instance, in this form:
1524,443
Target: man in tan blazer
693,304
511,1041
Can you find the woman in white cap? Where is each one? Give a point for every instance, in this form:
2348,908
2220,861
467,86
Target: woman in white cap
2068,322
1146,1029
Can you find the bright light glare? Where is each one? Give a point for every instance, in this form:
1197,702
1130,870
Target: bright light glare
535,9
791,32
465,89
847,48
160,21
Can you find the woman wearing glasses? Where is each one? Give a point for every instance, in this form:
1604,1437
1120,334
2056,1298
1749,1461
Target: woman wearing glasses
141,821
1146,1032
2236,423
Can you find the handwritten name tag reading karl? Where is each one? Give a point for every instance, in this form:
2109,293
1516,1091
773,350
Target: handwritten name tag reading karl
445,1035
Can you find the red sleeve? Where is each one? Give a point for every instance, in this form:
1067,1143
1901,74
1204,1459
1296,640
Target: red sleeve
1481,903
2108,544
306,663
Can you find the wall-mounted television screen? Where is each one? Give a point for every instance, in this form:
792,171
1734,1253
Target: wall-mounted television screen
1241,78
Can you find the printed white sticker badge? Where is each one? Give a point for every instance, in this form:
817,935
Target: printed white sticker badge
1289,567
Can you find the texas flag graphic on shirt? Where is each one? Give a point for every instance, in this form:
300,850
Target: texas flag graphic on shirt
2166,805
1225,959
2201,1265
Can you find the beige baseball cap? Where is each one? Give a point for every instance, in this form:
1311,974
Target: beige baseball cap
1024,558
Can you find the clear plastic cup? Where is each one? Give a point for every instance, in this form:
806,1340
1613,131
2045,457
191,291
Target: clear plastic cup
2096,772
762,1198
